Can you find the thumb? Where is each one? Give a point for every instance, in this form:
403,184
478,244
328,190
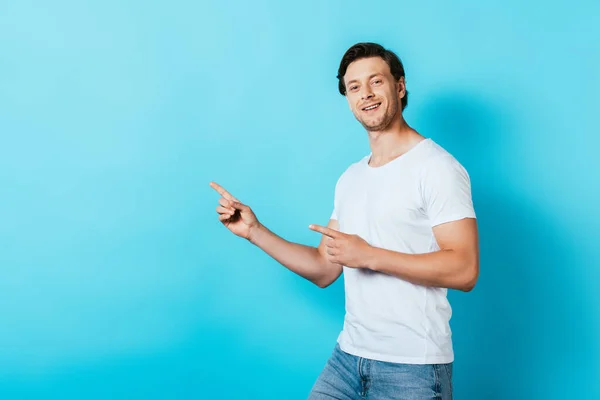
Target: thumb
238,206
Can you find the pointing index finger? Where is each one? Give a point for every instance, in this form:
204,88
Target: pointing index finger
332,233
222,191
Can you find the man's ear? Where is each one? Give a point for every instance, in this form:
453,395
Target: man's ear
402,87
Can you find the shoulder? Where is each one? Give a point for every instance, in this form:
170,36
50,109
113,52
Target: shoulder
352,170
437,160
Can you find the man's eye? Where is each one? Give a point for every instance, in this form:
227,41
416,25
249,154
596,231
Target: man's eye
377,81
353,87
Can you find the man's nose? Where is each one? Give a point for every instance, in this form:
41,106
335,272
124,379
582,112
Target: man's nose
366,94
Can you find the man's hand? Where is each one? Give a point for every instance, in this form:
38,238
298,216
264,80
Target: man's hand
348,250
237,217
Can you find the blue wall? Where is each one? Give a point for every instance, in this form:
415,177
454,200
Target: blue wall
116,278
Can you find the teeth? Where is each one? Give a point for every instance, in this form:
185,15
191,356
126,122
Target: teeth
371,107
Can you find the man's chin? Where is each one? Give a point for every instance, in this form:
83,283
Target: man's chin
371,127
374,126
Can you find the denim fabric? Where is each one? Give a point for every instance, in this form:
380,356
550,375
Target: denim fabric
347,377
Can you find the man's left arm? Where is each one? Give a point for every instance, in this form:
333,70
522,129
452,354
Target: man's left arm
454,266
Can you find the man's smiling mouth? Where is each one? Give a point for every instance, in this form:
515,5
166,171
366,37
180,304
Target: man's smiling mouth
372,107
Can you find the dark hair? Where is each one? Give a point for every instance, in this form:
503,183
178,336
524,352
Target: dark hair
365,50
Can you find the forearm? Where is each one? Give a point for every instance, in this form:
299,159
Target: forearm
443,268
305,261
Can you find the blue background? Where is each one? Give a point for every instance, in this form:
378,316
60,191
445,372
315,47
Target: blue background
118,281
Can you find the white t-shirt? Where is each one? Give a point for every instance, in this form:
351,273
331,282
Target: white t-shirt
395,207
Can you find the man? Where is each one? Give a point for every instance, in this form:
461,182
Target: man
403,230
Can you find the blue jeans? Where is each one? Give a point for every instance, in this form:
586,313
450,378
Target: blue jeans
349,377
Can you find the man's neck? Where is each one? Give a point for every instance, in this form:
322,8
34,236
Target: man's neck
392,142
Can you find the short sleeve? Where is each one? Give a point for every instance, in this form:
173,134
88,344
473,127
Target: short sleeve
334,214
446,191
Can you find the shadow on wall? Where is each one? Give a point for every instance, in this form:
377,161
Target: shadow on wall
523,330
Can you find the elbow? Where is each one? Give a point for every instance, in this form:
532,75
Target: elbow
323,283
467,287
327,279
469,279
329,274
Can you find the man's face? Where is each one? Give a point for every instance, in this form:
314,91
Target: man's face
373,94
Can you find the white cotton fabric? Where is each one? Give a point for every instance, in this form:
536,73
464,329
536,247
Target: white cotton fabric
395,207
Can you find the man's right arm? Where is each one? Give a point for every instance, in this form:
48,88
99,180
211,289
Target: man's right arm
306,261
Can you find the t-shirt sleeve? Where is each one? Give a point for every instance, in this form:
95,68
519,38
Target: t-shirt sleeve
446,190
336,197
334,214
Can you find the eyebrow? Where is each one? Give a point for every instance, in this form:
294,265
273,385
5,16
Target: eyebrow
370,77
